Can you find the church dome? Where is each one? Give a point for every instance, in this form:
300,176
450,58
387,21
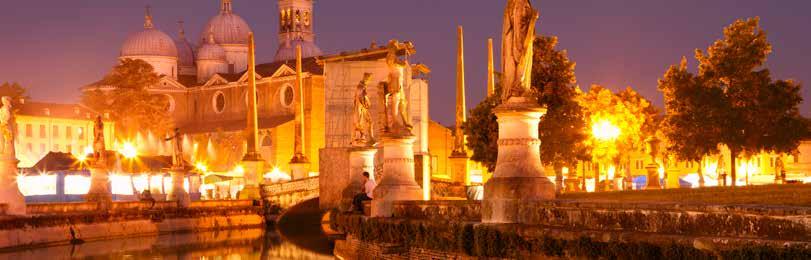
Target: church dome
185,51
288,50
211,51
149,42
227,27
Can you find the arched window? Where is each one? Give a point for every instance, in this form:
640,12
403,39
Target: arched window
218,102
170,103
266,141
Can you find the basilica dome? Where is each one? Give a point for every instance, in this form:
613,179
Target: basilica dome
211,51
149,42
288,50
185,51
227,27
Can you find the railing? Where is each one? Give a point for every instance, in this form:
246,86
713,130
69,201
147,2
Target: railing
306,184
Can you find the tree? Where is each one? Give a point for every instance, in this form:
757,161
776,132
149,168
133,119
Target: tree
13,90
562,129
131,105
693,115
630,117
753,112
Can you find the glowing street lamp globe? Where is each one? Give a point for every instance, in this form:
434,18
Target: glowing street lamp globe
128,150
605,130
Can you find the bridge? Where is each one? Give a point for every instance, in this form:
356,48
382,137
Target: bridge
288,194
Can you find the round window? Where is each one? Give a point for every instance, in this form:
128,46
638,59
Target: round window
287,96
219,102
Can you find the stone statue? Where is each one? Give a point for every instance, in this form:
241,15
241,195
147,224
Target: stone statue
98,138
516,48
177,152
397,118
362,118
8,126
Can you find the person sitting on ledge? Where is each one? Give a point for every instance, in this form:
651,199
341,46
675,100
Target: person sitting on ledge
366,193
146,196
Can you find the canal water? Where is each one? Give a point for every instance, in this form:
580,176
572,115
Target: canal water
228,244
298,235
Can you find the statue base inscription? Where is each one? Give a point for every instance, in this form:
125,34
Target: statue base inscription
519,176
398,182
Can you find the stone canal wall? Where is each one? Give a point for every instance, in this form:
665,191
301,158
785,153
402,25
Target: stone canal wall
64,223
581,229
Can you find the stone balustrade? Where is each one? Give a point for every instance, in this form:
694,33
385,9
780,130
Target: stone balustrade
306,184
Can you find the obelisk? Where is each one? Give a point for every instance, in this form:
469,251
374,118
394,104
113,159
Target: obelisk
519,177
252,162
491,70
459,158
299,164
9,190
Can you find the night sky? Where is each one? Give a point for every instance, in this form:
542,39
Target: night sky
54,47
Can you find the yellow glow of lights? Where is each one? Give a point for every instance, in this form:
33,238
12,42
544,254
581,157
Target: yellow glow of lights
128,150
276,175
605,130
201,167
88,150
239,170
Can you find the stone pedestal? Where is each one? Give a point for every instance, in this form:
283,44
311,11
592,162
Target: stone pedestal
99,185
519,176
653,177
9,190
361,159
460,168
299,170
178,193
397,182
254,170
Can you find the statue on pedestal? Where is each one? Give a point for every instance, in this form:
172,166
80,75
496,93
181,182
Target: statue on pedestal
98,139
397,118
8,126
177,152
361,117
516,48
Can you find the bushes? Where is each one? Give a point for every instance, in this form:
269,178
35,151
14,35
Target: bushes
473,239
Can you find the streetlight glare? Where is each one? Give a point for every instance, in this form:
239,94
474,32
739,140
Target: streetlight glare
128,150
605,130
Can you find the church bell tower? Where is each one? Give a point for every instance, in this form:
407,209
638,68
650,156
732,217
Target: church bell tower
296,28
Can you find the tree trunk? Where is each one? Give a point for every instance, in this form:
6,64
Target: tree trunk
701,173
733,153
558,178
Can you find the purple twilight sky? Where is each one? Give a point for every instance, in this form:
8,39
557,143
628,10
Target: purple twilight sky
53,47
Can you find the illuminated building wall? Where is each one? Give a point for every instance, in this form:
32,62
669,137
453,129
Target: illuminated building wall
47,127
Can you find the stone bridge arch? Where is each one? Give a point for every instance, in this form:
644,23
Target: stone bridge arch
288,194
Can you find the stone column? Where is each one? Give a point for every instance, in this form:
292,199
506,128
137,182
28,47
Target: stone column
361,159
9,190
519,176
99,185
252,161
397,182
178,193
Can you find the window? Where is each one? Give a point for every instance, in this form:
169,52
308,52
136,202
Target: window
68,149
29,147
218,102
42,131
287,96
434,164
771,162
56,148
80,133
41,148
266,141
68,132
29,132
796,157
55,132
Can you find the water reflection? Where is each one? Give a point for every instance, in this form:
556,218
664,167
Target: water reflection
227,244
